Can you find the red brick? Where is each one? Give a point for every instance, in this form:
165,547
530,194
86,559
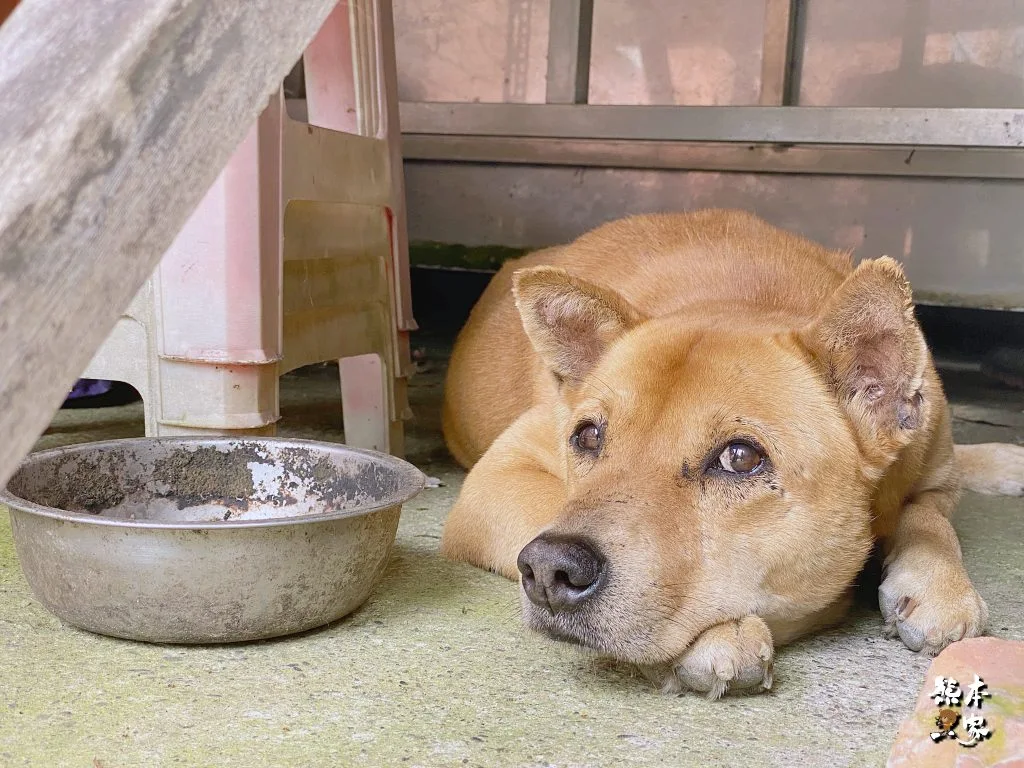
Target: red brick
1000,663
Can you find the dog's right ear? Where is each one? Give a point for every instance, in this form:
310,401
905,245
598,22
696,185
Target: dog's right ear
570,322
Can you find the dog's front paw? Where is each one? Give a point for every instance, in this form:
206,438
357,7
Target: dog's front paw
735,655
929,612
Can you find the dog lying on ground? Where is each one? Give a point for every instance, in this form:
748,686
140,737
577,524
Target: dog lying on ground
687,432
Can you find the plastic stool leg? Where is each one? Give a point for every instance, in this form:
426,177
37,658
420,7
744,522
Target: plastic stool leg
364,402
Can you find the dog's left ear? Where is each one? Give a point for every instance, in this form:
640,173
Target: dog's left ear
570,322
874,355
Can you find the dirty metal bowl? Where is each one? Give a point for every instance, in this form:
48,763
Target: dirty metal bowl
199,540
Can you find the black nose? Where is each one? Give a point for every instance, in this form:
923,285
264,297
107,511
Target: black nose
559,573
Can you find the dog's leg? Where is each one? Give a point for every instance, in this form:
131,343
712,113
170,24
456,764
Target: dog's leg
996,469
926,596
733,655
786,630
508,498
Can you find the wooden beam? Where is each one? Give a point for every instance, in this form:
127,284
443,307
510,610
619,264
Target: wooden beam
119,114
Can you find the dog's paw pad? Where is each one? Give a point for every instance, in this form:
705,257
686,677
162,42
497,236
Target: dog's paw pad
734,656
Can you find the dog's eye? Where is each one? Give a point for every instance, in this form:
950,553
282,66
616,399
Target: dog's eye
740,459
588,437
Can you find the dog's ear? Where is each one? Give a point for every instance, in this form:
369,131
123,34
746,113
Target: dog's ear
569,321
874,355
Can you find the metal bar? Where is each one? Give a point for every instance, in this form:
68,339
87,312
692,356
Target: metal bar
517,50
569,34
747,158
777,53
879,126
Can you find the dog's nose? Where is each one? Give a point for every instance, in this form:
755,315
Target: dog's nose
559,573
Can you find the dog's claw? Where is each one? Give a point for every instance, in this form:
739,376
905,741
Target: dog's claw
717,690
904,607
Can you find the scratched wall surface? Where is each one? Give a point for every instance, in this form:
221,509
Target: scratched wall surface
703,53
471,50
960,239
870,53
914,53
496,51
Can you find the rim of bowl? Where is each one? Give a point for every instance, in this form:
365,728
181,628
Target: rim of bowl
410,480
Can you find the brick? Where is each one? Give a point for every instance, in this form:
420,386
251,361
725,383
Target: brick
1000,663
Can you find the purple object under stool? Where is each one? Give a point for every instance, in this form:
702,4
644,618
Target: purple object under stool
89,388
99,393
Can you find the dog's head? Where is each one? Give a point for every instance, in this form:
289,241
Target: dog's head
716,466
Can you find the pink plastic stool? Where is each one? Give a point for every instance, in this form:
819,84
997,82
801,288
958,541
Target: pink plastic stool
298,254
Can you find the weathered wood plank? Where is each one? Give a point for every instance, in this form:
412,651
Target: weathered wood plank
117,117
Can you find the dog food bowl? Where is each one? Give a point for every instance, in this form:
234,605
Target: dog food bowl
200,540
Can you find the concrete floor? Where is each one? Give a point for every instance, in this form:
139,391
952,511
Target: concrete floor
435,669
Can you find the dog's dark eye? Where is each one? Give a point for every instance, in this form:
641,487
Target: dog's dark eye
740,459
588,437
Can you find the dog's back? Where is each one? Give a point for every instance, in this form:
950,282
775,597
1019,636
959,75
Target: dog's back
732,262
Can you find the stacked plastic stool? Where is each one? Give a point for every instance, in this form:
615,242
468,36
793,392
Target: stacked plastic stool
298,254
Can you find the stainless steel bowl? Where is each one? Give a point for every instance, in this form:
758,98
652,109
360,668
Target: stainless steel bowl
200,540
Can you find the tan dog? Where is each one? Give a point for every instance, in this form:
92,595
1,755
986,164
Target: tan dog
690,452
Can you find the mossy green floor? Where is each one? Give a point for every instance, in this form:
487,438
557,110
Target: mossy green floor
435,669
